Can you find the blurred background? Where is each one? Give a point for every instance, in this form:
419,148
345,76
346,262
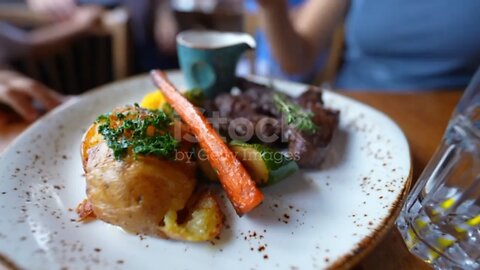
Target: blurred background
75,45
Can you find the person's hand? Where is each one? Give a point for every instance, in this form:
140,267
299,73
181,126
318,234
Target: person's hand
21,93
58,9
87,16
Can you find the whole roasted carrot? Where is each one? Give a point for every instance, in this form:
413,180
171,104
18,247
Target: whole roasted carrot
235,180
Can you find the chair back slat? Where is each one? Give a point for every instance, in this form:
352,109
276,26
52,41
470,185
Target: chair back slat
71,76
52,73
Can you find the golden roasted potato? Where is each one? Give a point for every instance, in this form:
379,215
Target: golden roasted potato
204,220
144,193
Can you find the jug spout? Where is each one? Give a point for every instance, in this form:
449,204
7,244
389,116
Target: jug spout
246,41
240,42
215,40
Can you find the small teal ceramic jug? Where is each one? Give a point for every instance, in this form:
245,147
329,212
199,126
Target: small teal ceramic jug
208,59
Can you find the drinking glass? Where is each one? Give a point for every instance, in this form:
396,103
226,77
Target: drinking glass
440,222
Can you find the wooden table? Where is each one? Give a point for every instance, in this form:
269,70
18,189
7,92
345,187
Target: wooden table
422,116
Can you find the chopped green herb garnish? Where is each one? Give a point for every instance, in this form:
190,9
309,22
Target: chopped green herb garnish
295,115
145,133
103,117
169,110
195,96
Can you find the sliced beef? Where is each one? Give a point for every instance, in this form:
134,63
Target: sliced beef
255,103
311,149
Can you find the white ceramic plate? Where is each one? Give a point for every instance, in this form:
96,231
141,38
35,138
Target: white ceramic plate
315,219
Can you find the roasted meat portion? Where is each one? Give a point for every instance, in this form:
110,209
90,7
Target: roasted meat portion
312,148
257,104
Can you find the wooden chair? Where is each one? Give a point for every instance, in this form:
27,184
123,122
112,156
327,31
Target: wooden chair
250,25
87,62
334,60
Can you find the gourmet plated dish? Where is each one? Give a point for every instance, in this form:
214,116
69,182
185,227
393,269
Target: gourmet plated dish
148,166
324,214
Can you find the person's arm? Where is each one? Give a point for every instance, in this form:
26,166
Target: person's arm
15,42
50,37
56,9
24,95
296,43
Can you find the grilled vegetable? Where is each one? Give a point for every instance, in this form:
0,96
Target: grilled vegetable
265,165
235,180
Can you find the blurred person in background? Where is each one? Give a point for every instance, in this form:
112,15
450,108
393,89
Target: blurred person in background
265,62
23,95
153,27
390,44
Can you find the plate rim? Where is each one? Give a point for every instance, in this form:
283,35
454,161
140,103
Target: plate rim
346,261
368,242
